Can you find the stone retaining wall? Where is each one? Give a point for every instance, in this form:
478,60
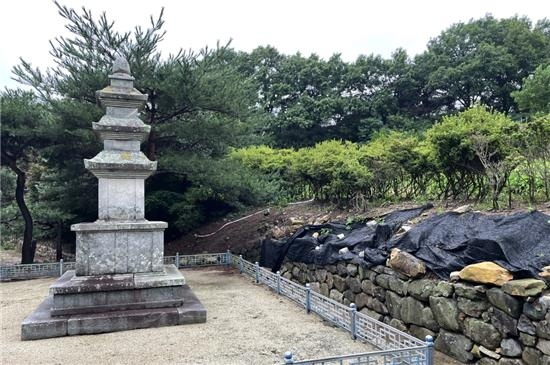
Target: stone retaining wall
473,323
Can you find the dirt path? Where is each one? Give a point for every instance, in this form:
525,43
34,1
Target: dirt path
247,324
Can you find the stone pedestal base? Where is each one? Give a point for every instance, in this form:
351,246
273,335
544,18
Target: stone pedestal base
113,247
86,305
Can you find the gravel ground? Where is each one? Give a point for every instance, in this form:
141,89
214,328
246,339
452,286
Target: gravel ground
246,324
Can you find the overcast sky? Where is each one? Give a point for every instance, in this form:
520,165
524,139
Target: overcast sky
348,27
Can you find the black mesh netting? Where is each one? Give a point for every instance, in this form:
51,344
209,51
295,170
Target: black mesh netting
446,242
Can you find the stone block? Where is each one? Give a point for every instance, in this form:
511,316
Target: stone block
192,311
486,352
428,319
104,301
527,340
454,345
525,325
474,292
445,312
372,314
121,320
531,356
443,289
361,300
117,247
421,332
504,302
524,287
393,304
340,283
354,284
383,280
487,361
510,361
39,324
397,285
485,273
422,289
336,295
482,333
542,329
411,311
121,199
504,323
351,269
406,263
544,346
372,289
377,306
473,308
510,347
400,325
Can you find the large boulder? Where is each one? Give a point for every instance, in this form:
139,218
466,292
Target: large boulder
411,311
504,323
537,309
544,346
486,273
473,308
455,345
422,289
469,291
445,312
510,347
406,263
531,356
482,333
524,287
505,302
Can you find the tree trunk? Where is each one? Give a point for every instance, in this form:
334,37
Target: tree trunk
151,146
27,251
58,245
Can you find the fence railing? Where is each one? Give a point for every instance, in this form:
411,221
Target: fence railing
398,348
32,271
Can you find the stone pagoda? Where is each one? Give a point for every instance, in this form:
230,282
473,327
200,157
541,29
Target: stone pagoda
120,281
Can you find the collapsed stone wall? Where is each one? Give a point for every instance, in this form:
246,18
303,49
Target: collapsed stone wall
479,324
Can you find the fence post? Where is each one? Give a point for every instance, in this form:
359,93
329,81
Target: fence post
177,260
257,269
279,282
288,358
308,298
228,258
353,327
240,264
60,267
429,350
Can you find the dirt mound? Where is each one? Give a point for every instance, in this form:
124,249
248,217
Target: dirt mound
242,234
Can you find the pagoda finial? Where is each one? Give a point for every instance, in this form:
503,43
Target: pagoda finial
121,65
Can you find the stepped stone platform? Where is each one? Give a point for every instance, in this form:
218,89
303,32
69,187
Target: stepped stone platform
80,305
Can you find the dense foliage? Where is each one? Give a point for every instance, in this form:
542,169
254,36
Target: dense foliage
467,119
471,155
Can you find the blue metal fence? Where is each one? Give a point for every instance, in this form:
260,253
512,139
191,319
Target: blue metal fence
398,348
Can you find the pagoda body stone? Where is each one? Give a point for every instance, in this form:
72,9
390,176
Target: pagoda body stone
120,281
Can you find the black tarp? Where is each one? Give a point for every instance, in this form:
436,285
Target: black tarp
445,242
